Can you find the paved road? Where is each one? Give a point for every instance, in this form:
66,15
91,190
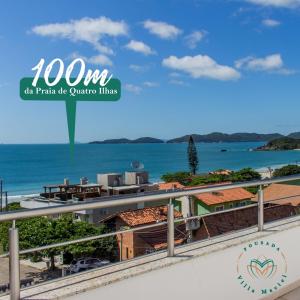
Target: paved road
25,271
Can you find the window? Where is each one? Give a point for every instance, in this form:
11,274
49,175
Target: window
230,205
219,208
243,203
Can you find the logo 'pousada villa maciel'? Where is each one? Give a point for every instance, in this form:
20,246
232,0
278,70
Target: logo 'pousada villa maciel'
75,83
262,267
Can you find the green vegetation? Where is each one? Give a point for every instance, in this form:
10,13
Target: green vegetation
242,175
284,143
13,206
181,177
192,156
10,207
42,231
287,170
246,174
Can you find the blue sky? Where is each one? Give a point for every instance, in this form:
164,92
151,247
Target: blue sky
185,66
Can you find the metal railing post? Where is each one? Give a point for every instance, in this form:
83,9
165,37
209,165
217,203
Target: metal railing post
170,229
260,209
14,263
1,193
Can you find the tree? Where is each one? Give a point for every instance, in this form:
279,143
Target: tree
208,179
181,177
246,174
192,156
287,170
41,231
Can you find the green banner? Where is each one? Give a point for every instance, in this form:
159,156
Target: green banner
62,91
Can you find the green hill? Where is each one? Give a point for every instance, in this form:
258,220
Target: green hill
225,137
142,140
284,143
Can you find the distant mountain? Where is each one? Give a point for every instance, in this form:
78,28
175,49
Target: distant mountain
294,135
142,140
285,143
224,137
146,140
214,137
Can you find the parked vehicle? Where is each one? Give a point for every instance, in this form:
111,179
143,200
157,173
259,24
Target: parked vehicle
87,264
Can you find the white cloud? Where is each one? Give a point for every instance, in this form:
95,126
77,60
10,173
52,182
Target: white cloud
268,63
151,84
194,38
277,3
138,68
99,59
141,47
270,23
133,88
163,30
201,66
271,63
84,30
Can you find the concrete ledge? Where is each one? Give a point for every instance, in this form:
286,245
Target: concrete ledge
79,283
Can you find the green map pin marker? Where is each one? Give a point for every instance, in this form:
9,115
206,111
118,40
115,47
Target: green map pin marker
70,94
71,118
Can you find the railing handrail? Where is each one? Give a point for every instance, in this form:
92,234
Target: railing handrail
134,199
14,259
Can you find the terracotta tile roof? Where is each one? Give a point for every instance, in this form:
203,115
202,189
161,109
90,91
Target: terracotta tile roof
146,215
236,194
170,185
157,237
240,219
286,193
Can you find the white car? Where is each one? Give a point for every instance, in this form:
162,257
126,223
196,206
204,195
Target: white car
86,264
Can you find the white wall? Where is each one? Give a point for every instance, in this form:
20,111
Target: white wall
209,277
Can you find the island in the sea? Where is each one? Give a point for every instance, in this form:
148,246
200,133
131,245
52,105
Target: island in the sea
214,137
284,143
142,140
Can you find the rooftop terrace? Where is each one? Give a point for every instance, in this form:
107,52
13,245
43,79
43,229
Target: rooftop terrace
260,261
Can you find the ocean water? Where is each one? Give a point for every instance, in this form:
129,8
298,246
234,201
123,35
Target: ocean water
26,168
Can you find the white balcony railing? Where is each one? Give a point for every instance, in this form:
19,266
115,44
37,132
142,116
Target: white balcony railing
14,252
